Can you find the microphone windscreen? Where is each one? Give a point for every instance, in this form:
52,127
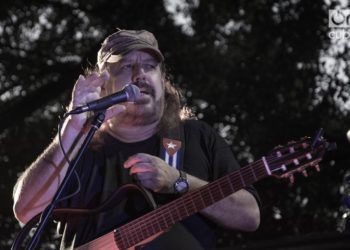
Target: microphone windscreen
133,92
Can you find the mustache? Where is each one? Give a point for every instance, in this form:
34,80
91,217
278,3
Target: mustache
145,87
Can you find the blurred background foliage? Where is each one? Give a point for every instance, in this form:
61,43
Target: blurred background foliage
261,72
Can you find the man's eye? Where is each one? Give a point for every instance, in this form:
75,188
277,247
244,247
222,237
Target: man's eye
150,66
126,66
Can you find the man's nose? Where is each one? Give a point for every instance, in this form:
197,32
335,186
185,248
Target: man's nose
138,73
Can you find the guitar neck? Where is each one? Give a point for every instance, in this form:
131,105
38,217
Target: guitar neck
167,215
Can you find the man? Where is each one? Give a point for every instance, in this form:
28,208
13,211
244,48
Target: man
127,149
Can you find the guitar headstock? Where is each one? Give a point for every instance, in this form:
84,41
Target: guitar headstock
297,156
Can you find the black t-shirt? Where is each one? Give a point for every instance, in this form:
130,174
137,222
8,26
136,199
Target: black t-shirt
206,156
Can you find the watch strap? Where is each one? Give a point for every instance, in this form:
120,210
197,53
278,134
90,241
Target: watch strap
183,175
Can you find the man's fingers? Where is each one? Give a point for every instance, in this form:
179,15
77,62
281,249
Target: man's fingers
137,158
96,79
80,79
91,96
141,168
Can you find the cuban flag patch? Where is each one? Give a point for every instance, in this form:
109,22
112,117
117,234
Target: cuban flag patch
170,152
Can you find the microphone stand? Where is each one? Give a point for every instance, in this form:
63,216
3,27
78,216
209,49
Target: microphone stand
95,125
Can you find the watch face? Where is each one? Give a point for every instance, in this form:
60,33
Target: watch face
181,186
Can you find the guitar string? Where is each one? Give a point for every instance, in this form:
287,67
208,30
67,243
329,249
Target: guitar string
191,198
194,208
133,226
148,229
160,226
100,243
141,228
185,204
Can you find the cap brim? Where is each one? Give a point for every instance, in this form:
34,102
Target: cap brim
113,58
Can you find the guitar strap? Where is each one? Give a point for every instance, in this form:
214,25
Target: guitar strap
172,146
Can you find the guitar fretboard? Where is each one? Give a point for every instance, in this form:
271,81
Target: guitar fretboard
167,215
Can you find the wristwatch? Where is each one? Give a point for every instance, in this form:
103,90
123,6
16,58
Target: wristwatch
181,184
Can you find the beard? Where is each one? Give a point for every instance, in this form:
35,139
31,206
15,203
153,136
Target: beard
144,111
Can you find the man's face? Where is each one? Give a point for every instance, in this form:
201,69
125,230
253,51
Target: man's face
142,69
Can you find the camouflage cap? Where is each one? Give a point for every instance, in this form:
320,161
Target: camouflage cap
123,41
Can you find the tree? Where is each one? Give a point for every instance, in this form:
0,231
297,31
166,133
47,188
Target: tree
260,72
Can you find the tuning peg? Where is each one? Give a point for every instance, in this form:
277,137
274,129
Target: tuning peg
308,156
317,167
291,179
284,168
305,173
278,147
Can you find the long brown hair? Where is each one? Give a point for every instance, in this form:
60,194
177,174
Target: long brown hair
174,110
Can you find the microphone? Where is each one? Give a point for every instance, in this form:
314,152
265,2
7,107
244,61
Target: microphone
129,93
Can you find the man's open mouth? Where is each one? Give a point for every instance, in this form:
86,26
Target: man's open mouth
144,92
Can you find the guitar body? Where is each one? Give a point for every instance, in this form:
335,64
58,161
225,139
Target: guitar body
107,242
134,199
